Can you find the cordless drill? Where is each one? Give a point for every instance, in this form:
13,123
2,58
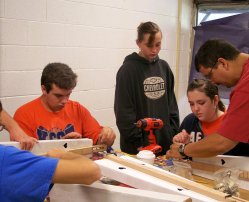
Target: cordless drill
150,124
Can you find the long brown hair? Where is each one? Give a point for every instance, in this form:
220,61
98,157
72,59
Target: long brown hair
207,87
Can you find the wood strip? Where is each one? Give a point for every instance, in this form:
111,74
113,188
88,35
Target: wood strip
85,150
89,150
237,199
187,184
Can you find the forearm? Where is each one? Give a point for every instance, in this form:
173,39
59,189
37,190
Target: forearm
77,169
10,124
173,106
16,133
174,117
125,109
67,156
174,123
6,120
130,133
209,146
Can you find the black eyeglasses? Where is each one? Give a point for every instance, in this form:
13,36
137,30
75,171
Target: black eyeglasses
210,73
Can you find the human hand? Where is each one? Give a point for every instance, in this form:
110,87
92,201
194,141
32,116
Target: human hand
16,133
106,136
173,152
26,142
182,137
72,135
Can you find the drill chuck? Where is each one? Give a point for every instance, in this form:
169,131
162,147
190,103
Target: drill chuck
149,123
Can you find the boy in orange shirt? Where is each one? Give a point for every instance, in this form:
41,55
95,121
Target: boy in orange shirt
54,116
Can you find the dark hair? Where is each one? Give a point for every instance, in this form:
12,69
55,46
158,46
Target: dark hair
208,88
147,28
1,107
209,53
59,74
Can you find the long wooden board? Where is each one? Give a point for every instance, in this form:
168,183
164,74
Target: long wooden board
187,184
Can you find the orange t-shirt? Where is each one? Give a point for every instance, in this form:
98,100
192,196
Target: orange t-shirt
209,128
42,124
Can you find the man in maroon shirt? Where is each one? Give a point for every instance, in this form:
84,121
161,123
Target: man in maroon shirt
223,64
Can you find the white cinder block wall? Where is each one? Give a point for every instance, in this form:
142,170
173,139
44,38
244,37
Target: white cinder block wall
92,37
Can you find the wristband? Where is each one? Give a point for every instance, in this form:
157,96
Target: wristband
181,150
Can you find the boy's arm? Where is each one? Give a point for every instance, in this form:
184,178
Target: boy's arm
74,168
16,133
